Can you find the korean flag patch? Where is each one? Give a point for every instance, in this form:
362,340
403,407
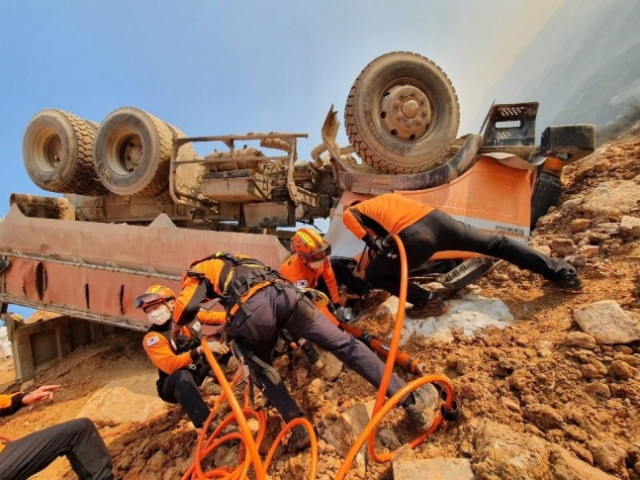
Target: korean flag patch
302,284
151,341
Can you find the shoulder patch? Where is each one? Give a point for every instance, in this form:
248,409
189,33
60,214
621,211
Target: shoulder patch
153,340
304,283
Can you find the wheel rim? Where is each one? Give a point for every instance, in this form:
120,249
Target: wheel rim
125,151
49,150
131,153
407,110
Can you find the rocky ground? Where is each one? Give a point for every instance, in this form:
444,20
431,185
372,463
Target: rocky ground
555,396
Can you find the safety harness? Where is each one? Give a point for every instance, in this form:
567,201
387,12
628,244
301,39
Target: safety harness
237,278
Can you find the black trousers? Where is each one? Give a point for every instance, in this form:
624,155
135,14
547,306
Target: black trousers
437,232
345,277
78,440
181,387
271,309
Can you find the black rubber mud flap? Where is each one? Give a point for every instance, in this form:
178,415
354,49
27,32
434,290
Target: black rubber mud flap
4,264
547,194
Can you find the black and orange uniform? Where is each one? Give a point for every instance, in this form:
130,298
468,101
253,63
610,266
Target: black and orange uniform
181,368
424,230
260,302
298,272
334,272
78,440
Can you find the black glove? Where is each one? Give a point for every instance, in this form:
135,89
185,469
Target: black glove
374,243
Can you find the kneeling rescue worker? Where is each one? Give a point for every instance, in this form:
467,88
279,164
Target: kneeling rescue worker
259,302
424,230
311,267
179,357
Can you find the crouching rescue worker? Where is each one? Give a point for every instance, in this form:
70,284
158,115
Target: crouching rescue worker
77,439
424,231
311,267
177,354
259,303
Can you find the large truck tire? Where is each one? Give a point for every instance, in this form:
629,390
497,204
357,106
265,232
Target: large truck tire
402,113
57,150
547,193
132,153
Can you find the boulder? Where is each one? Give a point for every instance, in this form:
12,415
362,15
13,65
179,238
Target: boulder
579,224
332,367
118,405
612,198
621,369
608,323
567,467
590,251
342,430
433,468
543,416
563,246
501,452
609,228
608,456
630,226
580,340
543,249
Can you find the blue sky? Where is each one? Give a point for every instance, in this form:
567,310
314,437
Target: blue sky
233,67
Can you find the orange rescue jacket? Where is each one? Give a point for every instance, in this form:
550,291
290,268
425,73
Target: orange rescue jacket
10,404
212,278
160,351
385,214
301,275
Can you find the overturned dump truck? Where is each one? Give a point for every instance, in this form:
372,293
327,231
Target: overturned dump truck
139,203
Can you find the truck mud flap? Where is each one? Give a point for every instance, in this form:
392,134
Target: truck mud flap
570,142
547,194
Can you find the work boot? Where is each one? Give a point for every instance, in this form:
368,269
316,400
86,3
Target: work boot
424,408
571,283
299,439
430,308
374,298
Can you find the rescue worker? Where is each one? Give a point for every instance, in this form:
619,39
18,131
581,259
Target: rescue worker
311,267
77,439
179,358
259,302
424,230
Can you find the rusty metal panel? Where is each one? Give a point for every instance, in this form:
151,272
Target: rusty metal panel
233,190
269,215
105,295
163,248
95,271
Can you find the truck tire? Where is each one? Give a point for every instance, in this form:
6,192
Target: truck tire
57,150
132,152
402,113
547,193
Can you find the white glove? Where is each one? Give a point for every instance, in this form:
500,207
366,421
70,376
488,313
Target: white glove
217,347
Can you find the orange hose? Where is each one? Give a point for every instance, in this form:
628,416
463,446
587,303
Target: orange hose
381,408
250,445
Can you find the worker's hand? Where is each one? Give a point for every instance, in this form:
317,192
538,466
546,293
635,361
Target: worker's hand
342,301
43,393
218,348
